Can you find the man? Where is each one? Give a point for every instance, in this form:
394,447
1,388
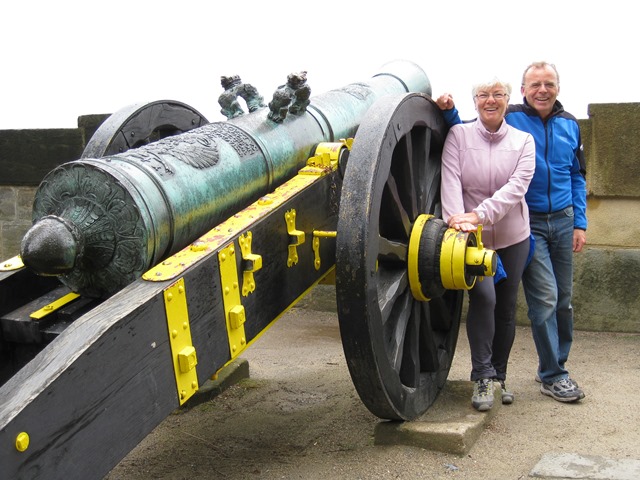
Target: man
557,204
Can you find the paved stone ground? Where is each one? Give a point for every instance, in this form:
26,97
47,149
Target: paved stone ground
298,416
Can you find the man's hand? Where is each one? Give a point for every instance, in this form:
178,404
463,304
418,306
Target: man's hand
579,239
445,101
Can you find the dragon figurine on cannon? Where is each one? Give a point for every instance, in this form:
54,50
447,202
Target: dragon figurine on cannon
174,243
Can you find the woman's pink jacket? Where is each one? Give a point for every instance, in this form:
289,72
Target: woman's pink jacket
489,173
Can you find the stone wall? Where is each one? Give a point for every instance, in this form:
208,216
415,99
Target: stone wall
15,218
26,156
607,272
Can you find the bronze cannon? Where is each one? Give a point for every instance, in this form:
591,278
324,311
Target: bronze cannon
101,223
149,269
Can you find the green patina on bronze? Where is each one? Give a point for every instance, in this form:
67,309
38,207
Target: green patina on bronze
129,211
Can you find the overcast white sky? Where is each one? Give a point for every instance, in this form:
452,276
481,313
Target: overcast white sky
62,59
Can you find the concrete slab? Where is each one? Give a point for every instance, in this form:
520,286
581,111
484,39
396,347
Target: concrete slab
565,466
451,425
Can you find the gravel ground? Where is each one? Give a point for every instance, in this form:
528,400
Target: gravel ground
298,416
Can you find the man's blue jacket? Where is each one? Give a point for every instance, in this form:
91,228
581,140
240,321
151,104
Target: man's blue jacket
559,179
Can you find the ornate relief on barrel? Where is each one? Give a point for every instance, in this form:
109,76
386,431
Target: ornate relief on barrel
241,142
198,151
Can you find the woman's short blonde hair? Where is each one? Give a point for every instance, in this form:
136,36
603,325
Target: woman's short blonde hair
491,85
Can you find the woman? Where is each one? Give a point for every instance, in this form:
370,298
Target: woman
486,169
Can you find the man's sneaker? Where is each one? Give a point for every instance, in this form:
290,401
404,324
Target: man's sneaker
507,396
575,384
563,390
482,399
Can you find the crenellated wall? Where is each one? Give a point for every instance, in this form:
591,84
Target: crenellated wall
26,156
607,272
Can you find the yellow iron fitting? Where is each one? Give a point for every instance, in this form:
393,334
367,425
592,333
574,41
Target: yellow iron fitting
317,234
251,263
413,255
183,352
463,259
296,237
53,306
13,263
233,310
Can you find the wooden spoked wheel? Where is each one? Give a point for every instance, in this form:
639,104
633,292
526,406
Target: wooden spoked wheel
140,124
398,348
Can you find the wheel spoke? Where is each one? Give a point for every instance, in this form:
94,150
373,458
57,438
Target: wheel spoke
394,218
402,168
410,369
421,138
396,328
432,184
390,251
392,284
441,314
428,344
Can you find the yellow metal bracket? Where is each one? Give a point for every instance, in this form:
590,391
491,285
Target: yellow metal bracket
480,259
317,234
413,254
251,263
463,259
326,157
453,271
296,237
53,306
183,352
233,310
13,263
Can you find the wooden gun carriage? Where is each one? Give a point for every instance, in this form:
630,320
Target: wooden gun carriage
173,243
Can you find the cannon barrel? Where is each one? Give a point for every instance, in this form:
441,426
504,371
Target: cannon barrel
100,223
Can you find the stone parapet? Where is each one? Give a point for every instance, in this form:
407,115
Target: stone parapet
612,146
15,218
606,276
605,291
613,222
26,156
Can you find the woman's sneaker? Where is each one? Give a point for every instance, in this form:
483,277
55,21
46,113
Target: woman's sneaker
507,396
482,399
564,390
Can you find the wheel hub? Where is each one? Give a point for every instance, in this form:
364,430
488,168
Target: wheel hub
441,258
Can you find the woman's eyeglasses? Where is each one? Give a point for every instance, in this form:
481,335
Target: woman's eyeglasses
497,96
